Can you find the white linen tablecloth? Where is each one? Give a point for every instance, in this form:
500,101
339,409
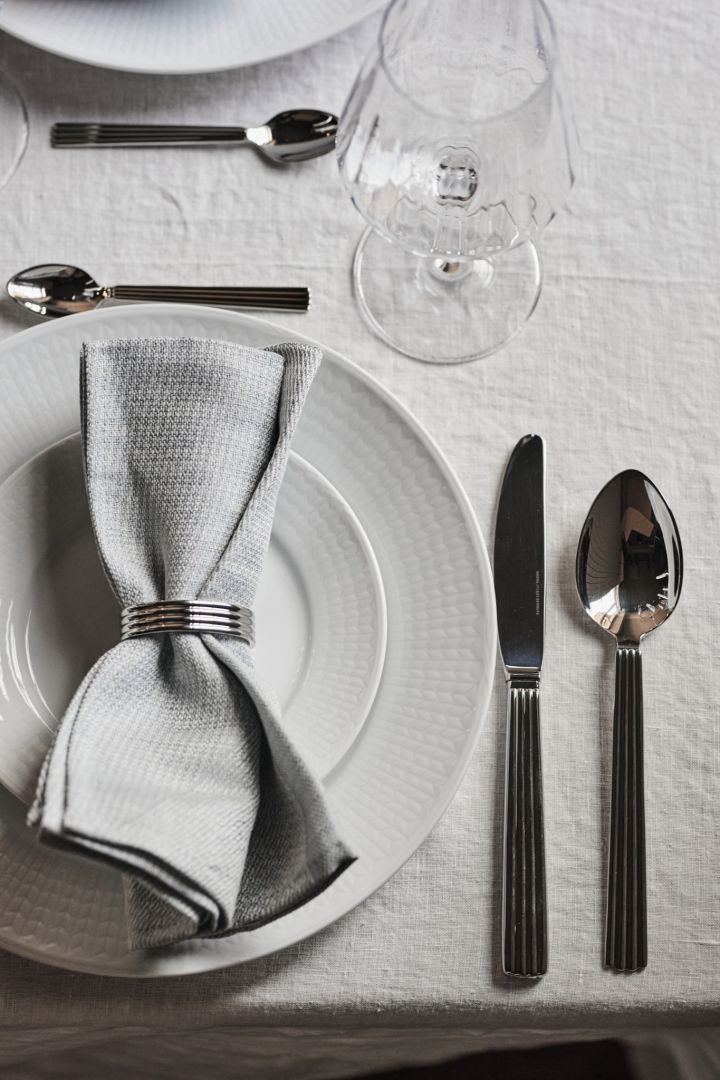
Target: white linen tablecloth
618,367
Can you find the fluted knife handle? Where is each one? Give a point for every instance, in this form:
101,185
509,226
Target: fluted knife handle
524,902
626,928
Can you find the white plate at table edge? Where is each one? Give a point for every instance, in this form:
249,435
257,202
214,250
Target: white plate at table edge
210,323
69,49
303,674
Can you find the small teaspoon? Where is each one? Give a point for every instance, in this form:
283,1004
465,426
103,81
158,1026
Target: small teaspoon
54,290
295,135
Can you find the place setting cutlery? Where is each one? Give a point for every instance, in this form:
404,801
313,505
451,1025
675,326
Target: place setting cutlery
54,290
629,571
292,136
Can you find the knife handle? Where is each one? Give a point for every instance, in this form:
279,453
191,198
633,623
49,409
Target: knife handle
524,928
626,928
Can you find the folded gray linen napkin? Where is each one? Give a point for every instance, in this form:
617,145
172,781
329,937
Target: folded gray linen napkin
172,762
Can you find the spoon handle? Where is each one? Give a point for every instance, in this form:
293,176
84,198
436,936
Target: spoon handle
626,928
71,134
524,928
275,298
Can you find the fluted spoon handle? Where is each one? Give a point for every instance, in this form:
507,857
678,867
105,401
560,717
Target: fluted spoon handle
626,927
278,298
81,134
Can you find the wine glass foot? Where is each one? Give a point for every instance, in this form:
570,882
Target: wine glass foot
13,129
444,311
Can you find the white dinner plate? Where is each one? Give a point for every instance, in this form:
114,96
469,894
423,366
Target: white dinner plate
320,611
407,761
178,36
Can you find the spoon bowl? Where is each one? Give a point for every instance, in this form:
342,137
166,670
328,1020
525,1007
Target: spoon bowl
54,290
297,135
629,563
629,572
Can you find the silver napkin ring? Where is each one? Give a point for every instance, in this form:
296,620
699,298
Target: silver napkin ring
187,617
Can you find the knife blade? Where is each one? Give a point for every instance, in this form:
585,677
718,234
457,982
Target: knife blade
519,564
520,557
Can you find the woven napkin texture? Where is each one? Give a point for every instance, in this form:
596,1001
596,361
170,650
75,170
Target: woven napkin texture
171,762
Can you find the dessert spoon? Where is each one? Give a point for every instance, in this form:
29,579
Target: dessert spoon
629,571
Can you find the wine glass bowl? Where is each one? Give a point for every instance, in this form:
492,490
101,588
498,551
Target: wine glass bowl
454,145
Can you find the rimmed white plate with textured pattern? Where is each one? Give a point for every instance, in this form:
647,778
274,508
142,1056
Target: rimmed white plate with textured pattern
405,765
179,37
320,611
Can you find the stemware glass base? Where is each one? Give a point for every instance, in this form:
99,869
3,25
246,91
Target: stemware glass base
443,311
13,129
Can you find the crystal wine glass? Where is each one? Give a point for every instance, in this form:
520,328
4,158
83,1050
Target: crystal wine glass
13,129
457,148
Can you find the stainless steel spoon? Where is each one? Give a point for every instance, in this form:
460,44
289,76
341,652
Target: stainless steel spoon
54,290
296,135
629,572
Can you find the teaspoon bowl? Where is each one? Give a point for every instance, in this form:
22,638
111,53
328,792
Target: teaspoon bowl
629,564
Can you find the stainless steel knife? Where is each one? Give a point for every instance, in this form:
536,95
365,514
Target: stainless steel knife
520,596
